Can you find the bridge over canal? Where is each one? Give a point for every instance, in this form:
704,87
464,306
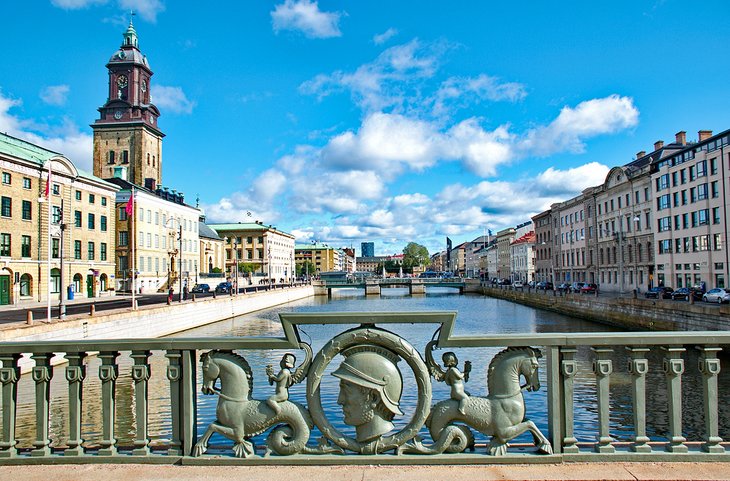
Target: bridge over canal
373,286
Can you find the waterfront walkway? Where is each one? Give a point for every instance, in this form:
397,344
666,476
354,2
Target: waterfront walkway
566,471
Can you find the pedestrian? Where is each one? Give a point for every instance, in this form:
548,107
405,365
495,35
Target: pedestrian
185,293
169,295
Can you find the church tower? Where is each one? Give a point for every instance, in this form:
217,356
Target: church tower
126,137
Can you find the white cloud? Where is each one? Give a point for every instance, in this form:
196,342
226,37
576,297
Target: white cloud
172,99
560,182
55,94
588,119
147,9
65,139
76,4
381,38
306,17
466,91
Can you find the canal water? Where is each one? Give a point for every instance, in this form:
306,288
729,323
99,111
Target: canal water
476,315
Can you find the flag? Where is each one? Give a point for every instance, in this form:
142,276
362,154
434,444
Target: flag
129,208
48,182
490,232
448,252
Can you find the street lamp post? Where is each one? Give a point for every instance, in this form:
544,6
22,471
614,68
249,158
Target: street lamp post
235,257
172,221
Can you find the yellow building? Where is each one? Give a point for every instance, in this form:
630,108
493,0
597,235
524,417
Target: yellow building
212,250
323,257
81,230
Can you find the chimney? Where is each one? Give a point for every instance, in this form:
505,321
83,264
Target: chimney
704,135
658,144
640,154
681,137
149,183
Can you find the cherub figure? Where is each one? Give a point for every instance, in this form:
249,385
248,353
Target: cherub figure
283,381
452,376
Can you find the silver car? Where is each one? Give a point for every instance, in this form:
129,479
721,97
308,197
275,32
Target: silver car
717,295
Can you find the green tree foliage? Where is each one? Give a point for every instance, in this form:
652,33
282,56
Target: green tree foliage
305,268
415,255
247,268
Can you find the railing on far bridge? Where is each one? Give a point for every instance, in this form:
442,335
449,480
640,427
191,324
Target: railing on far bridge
591,358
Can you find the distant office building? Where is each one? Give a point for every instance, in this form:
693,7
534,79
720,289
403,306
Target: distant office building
367,249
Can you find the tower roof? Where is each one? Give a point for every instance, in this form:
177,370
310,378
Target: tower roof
129,50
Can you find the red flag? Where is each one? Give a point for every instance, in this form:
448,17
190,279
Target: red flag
129,208
48,182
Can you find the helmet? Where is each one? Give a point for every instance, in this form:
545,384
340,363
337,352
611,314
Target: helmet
375,368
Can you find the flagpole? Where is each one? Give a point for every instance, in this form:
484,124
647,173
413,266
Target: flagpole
48,199
134,255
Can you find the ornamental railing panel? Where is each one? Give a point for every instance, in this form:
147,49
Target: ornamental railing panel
404,400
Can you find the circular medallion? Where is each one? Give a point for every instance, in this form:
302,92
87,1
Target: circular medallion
117,114
369,372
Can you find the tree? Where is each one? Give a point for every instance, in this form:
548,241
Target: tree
306,268
415,255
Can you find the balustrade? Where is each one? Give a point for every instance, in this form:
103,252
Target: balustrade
585,359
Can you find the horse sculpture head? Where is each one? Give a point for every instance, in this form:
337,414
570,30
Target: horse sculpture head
217,364
509,365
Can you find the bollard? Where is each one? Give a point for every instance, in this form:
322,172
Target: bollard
92,310
29,317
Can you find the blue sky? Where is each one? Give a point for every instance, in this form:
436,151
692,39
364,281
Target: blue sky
350,121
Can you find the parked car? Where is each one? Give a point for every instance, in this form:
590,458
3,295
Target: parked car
504,282
224,288
659,292
576,286
518,285
564,287
201,288
531,284
683,293
544,286
718,295
589,288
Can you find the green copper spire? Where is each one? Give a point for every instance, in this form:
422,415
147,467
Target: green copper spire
130,36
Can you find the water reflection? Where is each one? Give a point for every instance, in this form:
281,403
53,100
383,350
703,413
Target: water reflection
477,315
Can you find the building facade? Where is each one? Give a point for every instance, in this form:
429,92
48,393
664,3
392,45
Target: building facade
78,241
569,221
212,250
522,256
543,223
367,249
504,263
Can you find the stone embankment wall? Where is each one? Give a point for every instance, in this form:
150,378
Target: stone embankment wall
155,321
632,314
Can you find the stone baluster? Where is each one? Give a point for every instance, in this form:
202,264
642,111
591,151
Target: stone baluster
602,368
568,368
638,367
108,373
673,369
75,375
141,376
9,376
174,373
710,368
42,373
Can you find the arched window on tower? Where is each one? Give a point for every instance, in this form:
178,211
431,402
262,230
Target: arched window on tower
153,161
148,158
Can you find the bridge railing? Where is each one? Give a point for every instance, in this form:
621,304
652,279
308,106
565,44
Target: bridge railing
568,358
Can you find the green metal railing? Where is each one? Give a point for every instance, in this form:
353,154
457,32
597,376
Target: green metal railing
182,355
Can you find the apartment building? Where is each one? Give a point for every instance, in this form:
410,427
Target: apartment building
504,264
544,239
690,201
78,241
522,257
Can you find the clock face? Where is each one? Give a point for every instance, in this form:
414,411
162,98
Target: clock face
118,114
143,88
122,81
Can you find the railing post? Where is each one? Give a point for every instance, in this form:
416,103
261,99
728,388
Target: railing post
673,369
42,373
710,368
602,368
554,404
141,376
568,369
108,373
9,376
75,375
189,409
174,374
638,367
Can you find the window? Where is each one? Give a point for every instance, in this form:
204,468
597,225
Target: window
4,245
636,195
78,195
662,182
675,199
57,214
122,213
149,216
665,246
701,168
56,189
111,156
92,198
141,239
677,222
125,157
702,191
77,249
6,178
684,197
26,183
692,173
713,166
662,202
27,210
675,177
6,206
683,176
103,201
678,246
77,218
149,240
55,281
102,251
704,216
715,215
25,246
102,223
123,239
647,194
157,218
91,251
91,223
55,248
715,191
717,242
